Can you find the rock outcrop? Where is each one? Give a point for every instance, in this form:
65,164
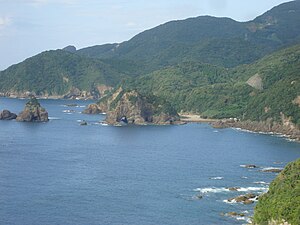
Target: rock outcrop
285,127
130,107
7,115
245,199
92,109
33,112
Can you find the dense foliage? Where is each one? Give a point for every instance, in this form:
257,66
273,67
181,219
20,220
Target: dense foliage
282,202
197,65
56,72
219,41
217,92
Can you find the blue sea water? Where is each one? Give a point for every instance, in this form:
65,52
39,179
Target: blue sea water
63,173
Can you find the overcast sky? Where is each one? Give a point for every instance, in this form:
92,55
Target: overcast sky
28,27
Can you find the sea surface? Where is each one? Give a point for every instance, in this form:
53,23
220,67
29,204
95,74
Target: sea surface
63,173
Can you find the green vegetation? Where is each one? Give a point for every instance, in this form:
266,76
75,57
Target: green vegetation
56,72
197,65
217,92
219,41
282,202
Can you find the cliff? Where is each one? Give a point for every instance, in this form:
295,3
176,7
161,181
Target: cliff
281,204
129,106
284,127
33,112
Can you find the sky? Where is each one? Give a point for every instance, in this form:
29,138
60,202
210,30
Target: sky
28,27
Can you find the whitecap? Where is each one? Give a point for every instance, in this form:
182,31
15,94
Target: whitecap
271,168
54,118
226,189
253,189
261,182
233,201
216,178
212,190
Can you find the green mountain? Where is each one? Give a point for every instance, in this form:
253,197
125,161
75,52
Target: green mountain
56,73
282,200
257,91
219,41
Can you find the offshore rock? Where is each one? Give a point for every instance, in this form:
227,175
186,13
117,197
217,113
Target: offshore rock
7,115
33,112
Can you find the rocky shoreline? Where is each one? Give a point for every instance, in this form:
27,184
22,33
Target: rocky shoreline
286,129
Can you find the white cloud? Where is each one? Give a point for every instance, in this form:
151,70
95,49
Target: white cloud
4,21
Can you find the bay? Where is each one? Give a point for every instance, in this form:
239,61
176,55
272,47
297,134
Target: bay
63,173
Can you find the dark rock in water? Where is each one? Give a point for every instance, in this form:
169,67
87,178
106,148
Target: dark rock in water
72,105
245,199
33,112
235,214
7,115
233,188
83,123
199,196
250,166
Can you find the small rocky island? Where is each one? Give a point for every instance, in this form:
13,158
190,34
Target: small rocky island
33,112
7,115
131,107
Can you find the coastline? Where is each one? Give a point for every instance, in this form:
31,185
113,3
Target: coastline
287,131
195,118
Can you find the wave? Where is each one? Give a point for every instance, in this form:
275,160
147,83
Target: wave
54,118
271,168
261,182
226,189
216,178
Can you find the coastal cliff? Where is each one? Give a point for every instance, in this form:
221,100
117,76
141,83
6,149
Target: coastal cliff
130,107
281,204
283,127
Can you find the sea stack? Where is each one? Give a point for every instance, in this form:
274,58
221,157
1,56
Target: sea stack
33,112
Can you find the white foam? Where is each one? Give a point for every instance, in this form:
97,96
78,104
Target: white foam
233,201
216,178
254,189
250,166
224,189
261,182
211,190
271,168
54,118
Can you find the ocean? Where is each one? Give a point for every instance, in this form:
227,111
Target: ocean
63,173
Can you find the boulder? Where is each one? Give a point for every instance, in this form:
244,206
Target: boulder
33,112
245,199
7,115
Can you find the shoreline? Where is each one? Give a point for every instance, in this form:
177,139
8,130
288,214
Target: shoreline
195,118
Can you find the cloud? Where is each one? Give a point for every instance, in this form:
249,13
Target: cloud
4,21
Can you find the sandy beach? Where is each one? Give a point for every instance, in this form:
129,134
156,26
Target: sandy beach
194,118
